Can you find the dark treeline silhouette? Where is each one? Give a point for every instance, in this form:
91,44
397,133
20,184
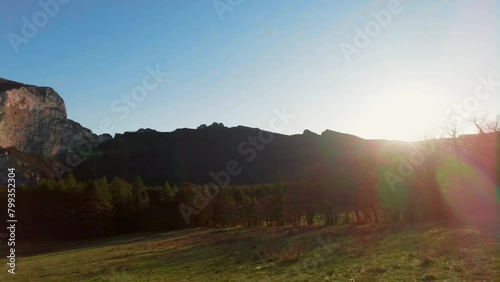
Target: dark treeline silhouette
326,195
397,182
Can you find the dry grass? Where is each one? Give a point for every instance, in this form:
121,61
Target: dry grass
341,253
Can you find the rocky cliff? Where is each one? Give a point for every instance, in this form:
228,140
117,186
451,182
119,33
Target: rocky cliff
33,121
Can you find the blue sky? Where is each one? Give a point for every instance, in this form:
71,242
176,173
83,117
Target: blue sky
262,55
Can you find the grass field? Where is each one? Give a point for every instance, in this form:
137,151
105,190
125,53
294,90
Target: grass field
380,252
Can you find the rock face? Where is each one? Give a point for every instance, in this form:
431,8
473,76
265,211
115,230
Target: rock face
28,167
33,120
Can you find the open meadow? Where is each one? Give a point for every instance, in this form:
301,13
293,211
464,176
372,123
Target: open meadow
378,252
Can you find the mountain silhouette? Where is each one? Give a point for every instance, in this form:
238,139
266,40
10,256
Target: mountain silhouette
197,155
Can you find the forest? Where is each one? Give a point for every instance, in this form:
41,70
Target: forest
324,195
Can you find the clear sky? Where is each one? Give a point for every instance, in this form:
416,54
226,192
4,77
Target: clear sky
236,65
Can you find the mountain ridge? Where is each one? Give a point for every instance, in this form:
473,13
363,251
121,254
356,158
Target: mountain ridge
37,135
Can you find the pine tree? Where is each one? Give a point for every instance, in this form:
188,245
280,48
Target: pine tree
139,193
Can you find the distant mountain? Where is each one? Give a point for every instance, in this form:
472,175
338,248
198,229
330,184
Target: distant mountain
37,138
242,155
208,153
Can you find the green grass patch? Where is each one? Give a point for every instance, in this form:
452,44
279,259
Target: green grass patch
342,253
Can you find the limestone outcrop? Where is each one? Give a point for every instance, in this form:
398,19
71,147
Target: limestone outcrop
33,120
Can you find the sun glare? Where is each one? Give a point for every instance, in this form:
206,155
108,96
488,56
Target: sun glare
410,116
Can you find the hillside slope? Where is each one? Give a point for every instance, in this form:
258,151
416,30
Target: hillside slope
343,253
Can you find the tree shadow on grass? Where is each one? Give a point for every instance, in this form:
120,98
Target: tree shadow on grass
34,248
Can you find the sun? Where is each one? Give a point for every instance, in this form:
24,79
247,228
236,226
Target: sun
404,115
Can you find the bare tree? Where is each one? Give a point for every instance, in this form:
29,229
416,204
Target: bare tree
479,123
493,125
484,125
451,131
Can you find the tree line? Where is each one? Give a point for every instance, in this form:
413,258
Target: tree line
326,194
